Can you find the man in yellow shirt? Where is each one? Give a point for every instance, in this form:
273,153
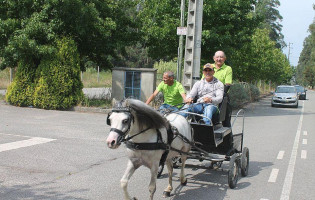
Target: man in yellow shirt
222,71
173,91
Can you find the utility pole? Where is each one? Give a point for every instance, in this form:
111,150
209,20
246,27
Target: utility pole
193,44
289,51
11,75
181,42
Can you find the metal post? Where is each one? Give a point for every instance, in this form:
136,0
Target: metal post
11,75
181,42
98,73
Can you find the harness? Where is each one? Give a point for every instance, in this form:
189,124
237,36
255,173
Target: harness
159,145
172,133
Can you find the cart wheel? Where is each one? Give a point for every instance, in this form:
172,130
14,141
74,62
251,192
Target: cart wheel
233,171
245,162
160,170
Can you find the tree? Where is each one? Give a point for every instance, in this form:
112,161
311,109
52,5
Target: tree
261,60
309,76
227,26
28,29
305,69
267,10
159,20
225,29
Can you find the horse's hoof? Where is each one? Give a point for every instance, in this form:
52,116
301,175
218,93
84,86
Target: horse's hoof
166,194
185,183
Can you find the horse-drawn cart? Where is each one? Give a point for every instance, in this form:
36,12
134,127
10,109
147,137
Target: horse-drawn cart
151,139
217,143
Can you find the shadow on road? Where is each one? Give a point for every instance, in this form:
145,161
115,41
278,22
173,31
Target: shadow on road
25,191
213,184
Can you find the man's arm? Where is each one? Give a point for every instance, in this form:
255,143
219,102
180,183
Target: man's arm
218,94
193,92
184,96
152,96
228,77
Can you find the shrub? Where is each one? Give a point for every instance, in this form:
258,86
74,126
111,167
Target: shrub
59,85
20,92
239,95
254,92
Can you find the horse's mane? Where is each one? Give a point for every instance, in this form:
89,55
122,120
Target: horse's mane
146,115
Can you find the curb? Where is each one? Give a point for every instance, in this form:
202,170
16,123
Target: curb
90,109
75,109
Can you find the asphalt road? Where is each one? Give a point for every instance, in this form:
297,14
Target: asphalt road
62,155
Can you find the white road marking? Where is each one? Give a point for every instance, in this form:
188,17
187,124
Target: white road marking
303,154
304,141
280,155
15,135
24,143
304,132
286,189
273,175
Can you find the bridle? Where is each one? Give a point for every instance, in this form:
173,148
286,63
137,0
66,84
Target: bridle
121,134
140,146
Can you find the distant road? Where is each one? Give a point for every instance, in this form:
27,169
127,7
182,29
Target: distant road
3,92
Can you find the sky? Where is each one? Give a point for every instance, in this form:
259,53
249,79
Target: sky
297,16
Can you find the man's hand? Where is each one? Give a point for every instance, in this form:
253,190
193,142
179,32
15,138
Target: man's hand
188,100
207,100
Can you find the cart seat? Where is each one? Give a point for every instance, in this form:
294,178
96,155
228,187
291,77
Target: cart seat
220,116
220,133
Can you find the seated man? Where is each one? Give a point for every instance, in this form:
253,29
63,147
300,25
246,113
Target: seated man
173,92
209,92
224,73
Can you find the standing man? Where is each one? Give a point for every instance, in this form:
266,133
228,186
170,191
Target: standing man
223,72
173,92
210,94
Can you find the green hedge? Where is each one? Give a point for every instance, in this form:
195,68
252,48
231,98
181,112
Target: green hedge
242,93
21,90
59,85
55,84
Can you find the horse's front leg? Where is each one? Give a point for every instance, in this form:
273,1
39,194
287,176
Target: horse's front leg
152,185
168,190
183,179
124,180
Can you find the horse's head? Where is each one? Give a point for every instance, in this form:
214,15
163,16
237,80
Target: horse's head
120,120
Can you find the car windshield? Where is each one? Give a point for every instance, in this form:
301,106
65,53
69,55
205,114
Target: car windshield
299,88
285,90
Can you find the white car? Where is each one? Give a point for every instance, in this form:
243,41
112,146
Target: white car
285,95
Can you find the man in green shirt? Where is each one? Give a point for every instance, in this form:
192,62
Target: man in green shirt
222,71
173,92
